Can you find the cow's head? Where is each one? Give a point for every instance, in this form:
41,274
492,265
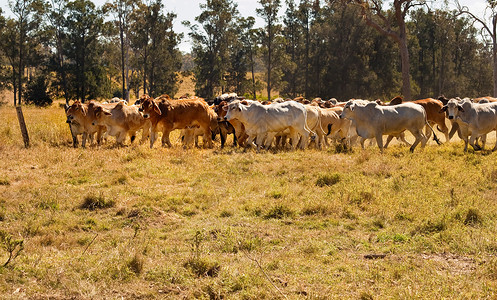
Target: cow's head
148,107
348,110
100,114
221,109
234,110
453,108
75,112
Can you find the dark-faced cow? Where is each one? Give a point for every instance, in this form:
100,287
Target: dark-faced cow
475,120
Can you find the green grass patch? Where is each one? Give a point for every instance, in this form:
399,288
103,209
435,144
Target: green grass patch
328,179
93,202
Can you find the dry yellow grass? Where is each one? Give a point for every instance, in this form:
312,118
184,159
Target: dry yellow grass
134,222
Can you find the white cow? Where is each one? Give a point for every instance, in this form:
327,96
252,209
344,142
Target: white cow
474,119
374,121
265,121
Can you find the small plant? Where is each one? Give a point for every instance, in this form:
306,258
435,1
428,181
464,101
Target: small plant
198,265
11,246
343,148
93,202
473,217
136,264
4,181
123,179
279,212
431,227
328,179
225,214
202,267
316,210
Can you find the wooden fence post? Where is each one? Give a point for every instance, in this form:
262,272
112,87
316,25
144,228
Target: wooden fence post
22,124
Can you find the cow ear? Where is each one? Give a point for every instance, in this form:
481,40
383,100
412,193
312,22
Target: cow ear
157,109
443,109
351,106
459,107
106,112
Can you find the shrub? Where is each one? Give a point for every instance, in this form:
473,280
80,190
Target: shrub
473,217
11,246
36,92
136,264
279,212
93,202
202,267
328,179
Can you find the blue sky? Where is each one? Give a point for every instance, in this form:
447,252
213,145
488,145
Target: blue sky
189,9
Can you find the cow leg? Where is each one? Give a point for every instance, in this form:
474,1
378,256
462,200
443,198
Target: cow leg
483,140
120,138
83,139
379,141
402,138
472,141
419,138
362,140
165,139
465,144
260,141
153,137
223,135
100,133
389,139
92,138
444,129
495,147
133,136
269,140
234,139
305,138
455,128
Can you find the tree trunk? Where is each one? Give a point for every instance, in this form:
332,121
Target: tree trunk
14,84
21,67
269,41
494,59
252,70
494,53
121,36
406,81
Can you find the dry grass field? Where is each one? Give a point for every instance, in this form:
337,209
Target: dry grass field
134,222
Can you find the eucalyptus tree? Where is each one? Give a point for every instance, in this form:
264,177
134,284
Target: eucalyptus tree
272,41
121,11
84,27
21,30
211,36
374,15
489,29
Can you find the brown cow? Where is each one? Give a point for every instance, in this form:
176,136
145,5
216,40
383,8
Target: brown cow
81,116
121,121
490,99
167,115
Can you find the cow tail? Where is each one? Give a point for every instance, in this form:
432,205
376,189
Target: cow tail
312,133
435,138
320,116
329,128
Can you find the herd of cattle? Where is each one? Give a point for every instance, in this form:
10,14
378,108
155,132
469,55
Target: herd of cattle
300,122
